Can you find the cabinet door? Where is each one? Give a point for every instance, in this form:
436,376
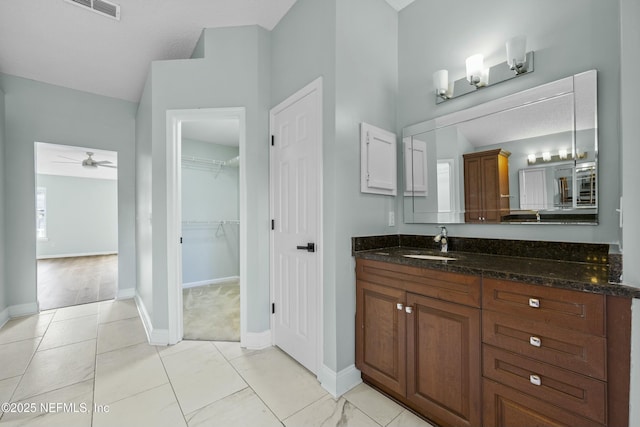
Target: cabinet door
506,407
380,335
443,360
491,189
473,189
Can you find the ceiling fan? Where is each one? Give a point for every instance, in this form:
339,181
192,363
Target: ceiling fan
89,162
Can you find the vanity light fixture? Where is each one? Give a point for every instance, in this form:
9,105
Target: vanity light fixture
517,54
562,156
519,62
443,88
477,75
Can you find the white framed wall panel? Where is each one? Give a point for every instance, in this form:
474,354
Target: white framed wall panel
378,162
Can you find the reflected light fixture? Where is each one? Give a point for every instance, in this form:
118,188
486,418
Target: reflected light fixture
531,158
477,75
441,84
546,156
562,154
517,54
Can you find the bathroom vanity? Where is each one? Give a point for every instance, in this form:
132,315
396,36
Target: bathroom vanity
484,339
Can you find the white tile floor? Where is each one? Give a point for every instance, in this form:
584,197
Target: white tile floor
80,361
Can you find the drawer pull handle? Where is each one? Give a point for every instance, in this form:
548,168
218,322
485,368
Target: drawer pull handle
408,309
534,302
399,306
535,379
535,341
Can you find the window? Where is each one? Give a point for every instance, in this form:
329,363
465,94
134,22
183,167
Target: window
41,213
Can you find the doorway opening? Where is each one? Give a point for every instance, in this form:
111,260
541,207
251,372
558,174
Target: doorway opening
206,217
211,229
76,225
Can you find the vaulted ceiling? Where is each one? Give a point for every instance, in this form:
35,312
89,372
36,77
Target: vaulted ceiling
57,42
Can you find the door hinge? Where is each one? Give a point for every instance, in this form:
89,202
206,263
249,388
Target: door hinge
273,308
273,140
273,224
181,240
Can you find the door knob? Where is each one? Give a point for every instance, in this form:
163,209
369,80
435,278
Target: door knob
311,247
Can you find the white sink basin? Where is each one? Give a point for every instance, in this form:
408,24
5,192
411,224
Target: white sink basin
431,257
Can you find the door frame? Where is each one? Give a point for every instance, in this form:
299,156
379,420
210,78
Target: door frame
175,118
314,86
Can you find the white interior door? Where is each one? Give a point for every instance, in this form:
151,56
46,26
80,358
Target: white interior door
296,206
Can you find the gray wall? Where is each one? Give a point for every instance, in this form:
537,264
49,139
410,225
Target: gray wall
568,37
144,237
232,74
41,112
3,180
366,89
82,216
210,251
630,125
352,45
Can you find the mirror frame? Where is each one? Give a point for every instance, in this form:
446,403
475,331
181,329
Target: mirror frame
583,86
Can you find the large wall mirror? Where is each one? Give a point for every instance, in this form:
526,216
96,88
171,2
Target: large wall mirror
529,158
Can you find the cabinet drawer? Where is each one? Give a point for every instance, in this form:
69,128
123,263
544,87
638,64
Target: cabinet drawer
563,308
574,392
560,347
453,287
507,407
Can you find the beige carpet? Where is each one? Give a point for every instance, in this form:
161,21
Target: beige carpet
212,312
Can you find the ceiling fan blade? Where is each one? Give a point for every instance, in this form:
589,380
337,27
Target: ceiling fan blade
108,166
102,162
69,158
66,162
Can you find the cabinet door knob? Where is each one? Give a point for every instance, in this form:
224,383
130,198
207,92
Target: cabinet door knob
534,302
535,341
399,306
408,309
535,379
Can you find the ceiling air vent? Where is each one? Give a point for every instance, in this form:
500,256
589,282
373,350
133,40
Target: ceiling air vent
102,7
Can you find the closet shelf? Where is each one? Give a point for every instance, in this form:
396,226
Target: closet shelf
217,222
212,165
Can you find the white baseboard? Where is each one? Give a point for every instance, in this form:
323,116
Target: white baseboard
4,316
209,282
23,309
257,340
126,293
338,383
154,336
76,255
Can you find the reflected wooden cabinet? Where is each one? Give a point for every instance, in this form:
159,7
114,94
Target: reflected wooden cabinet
486,186
424,351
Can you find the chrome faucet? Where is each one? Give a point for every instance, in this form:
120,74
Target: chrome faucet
442,239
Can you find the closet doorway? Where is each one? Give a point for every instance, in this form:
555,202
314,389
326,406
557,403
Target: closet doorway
210,228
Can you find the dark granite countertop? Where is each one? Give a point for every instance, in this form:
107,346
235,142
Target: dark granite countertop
579,276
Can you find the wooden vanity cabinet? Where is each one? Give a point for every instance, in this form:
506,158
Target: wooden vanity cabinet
486,186
418,339
550,356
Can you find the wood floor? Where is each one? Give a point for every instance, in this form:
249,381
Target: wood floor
70,281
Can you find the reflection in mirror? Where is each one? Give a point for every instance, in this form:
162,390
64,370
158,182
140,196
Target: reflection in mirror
530,157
